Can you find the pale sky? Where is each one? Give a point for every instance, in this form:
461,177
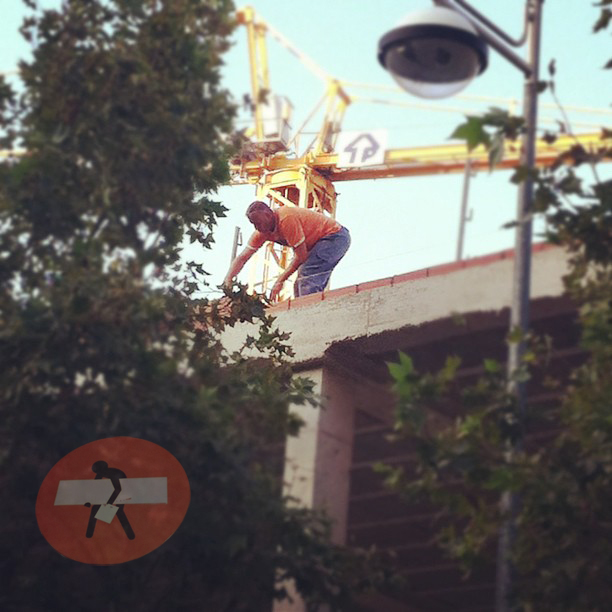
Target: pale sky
405,224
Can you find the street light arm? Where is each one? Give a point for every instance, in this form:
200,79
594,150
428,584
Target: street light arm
491,33
467,7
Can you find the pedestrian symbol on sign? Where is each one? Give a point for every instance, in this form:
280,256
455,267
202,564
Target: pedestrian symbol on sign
98,512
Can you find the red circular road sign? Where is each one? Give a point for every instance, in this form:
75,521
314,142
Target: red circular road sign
112,500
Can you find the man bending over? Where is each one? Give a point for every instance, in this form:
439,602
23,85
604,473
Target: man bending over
318,244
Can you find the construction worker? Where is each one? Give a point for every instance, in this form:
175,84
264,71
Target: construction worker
318,244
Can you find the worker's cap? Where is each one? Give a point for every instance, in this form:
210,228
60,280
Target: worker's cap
256,206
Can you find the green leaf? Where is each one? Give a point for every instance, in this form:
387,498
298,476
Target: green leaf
472,132
544,198
492,366
398,371
470,424
402,370
451,365
515,335
406,362
501,479
522,173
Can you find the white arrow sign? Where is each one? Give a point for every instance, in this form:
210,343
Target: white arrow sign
361,148
95,492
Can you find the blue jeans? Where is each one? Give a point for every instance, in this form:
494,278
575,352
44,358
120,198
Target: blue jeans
314,273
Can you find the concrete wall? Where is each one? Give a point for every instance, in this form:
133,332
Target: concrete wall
318,462
480,284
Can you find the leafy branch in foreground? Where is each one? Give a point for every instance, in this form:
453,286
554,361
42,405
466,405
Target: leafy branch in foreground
562,552
124,119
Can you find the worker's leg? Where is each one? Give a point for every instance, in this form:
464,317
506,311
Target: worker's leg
314,273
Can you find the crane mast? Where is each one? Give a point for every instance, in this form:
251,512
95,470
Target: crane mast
279,179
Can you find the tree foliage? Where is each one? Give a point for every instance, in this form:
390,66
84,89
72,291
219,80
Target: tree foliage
123,119
562,552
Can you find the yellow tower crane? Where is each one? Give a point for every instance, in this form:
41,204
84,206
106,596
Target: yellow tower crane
308,180
283,182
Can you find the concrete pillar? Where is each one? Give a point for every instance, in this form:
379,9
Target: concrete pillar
318,461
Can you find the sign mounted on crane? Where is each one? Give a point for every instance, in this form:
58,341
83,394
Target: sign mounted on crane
356,149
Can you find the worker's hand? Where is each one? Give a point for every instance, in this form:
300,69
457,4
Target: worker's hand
217,310
224,307
276,289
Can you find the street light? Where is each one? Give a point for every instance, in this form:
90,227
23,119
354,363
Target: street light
433,39
433,53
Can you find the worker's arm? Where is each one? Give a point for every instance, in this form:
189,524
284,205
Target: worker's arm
299,257
238,264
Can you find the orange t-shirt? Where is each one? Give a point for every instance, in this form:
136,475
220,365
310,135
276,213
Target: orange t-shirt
295,226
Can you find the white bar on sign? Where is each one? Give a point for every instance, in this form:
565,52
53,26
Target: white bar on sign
133,491
80,492
143,491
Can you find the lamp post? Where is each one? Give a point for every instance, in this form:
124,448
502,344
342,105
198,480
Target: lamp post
436,53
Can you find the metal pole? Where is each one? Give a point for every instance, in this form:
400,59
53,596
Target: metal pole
519,314
236,244
464,203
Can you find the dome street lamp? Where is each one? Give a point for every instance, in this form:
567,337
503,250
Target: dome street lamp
434,53
431,54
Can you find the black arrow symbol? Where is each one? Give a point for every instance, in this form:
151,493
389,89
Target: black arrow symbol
366,143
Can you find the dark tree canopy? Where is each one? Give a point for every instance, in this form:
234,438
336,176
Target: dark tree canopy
123,119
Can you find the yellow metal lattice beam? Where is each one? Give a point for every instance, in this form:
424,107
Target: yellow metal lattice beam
416,161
